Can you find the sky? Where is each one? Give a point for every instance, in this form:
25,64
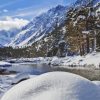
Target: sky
27,9
18,13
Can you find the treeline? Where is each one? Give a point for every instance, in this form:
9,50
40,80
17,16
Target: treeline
14,53
28,52
83,30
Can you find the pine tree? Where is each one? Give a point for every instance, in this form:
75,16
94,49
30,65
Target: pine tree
80,28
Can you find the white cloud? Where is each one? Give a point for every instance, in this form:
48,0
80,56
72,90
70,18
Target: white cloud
30,13
11,23
5,10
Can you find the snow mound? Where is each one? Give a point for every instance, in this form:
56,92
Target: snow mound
54,86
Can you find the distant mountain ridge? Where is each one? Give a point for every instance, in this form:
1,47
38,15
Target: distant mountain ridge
6,36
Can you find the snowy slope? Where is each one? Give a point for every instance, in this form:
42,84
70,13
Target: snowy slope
40,26
54,86
85,2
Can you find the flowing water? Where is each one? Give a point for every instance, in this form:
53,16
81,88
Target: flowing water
29,68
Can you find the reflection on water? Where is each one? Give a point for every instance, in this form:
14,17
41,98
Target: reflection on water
30,68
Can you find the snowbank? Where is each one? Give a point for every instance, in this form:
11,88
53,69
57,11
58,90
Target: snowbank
26,60
4,64
54,86
90,60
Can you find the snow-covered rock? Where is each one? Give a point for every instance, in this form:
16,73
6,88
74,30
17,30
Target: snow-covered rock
20,77
54,86
4,64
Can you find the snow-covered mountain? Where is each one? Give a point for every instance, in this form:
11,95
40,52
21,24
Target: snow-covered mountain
9,27
44,24
40,27
86,2
63,40
6,36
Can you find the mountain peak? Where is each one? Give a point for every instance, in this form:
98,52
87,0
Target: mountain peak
40,26
59,7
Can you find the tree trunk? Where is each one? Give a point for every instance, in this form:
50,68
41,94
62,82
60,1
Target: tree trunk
95,41
88,44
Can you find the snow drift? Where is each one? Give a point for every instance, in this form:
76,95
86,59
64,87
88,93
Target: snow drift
54,86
